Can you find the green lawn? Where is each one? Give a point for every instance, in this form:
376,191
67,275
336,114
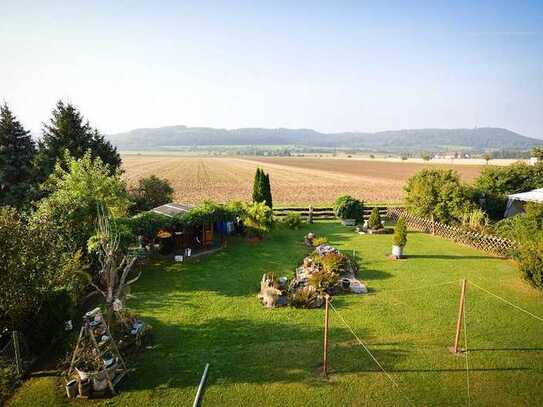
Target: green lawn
208,312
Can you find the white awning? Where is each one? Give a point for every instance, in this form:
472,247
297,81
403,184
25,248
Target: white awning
535,195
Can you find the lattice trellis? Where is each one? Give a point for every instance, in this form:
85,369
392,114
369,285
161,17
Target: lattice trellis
488,243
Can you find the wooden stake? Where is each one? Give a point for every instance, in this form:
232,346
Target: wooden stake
460,317
325,356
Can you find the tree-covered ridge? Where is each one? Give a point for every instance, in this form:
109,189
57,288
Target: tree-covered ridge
484,138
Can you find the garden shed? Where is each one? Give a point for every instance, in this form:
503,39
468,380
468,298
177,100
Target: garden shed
194,237
516,202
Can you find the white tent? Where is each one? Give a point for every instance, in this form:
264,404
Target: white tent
515,201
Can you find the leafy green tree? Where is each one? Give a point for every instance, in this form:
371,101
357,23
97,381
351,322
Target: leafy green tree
77,189
537,152
17,150
437,193
68,130
150,193
495,183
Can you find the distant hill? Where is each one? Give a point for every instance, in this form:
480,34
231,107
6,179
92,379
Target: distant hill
478,139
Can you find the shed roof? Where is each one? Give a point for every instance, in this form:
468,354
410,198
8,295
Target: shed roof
535,195
171,209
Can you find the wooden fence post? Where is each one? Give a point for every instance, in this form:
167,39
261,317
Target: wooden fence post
310,215
325,355
17,348
460,317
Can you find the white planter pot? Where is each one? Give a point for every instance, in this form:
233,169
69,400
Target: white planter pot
397,251
348,222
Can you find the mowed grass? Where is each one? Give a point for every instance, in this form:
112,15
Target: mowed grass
208,312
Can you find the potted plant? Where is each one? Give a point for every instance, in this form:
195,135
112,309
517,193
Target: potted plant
348,209
400,239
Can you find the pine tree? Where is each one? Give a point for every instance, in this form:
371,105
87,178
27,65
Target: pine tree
17,150
68,130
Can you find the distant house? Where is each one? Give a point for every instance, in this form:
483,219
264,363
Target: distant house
516,202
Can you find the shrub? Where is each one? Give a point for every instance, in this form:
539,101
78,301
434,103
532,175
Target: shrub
400,233
439,194
257,218
292,220
8,379
525,227
306,297
150,193
333,262
347,207
319,240
323,280
530,261
476,220
374,222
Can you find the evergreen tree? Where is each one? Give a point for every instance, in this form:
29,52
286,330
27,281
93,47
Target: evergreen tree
68,130
267,189
17,151
258,195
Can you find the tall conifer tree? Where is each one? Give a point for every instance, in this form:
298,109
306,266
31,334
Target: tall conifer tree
267,190
17,151
68,130
257,186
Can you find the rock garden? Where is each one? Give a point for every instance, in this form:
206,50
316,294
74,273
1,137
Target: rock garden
324,271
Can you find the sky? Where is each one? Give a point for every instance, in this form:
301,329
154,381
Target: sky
331,66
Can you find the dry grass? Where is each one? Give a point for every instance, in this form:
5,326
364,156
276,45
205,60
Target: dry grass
294,180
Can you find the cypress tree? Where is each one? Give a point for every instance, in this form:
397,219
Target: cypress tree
68,130
17,150
258,191
267,190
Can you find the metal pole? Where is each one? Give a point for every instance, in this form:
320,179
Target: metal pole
17,348
201,386
325,356
460,316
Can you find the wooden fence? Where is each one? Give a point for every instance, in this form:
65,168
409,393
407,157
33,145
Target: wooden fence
488,243
323,213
